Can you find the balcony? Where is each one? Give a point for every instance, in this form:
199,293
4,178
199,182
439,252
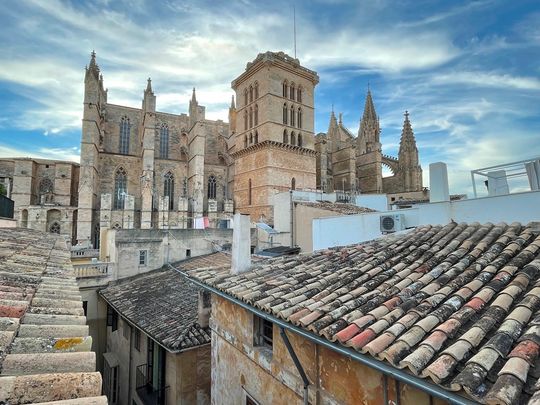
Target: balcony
84,253
148,394
88,270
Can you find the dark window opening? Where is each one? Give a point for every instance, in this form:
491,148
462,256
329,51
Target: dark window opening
264,333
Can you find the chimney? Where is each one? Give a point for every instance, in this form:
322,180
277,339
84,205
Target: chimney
204,308
241,245
438,182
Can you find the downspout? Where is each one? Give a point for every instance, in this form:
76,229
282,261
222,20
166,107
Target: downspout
296,363
292,218
130,398
378,365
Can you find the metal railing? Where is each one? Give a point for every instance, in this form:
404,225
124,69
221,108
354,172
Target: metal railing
148,394
82,253
91,270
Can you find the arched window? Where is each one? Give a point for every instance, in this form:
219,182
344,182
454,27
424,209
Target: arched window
285,89
164,142
256,114
256,137
300,116
293,184
97,235
292,116
249,192
299,139
299,94
120,188
251,138
54,228
285,113
256,90
285,136
168,189
245,97
250,117
245,120
293,138
184,187
46,191
212,185
250,94
245,141
292,91
125,129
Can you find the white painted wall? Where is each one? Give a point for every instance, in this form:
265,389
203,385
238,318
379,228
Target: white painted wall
350,229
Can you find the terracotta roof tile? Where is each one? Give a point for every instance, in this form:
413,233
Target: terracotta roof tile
456,304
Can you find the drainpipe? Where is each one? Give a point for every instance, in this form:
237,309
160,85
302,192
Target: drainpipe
296,363
292,218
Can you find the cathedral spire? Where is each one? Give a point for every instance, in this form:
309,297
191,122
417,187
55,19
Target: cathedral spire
149,86
369,108
408,152
193,96
369,132
93,68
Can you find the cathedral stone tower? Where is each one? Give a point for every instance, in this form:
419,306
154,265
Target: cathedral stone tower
409,167
369,151
274,140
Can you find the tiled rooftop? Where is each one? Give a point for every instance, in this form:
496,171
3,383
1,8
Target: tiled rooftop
164,305
458,305
342,208
45,349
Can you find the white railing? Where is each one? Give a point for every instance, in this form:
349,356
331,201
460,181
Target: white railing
84,253
91,270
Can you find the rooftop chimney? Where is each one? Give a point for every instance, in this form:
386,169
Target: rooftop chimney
438,182
241,245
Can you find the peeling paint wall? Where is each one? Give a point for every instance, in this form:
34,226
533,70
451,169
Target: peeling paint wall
269,376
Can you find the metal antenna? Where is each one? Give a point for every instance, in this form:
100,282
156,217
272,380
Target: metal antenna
294,27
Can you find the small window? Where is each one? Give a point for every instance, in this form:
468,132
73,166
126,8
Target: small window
285,113
292,91
143,257
256,90
85,307
299,95
188,252
264,333
285,136
137,340
112,318
126,330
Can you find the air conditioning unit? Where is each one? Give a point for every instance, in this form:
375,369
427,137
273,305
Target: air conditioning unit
392,223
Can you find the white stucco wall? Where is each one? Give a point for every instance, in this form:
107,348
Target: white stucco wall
346,230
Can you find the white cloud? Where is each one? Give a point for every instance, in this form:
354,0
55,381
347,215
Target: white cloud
488,79
67,154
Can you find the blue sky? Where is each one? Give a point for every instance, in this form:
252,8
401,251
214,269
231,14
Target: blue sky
468,71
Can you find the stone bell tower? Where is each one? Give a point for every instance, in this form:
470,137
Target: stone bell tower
274,139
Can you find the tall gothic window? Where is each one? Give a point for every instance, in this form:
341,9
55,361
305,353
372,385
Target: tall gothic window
293,139
256,137
285,113
168,189
46,191
245,97
212,186
256,90
256,114
293,184
292,116
249,192
292,91
120,188
285,85
164,142
299,94
184,187
251,138
250,117
124,135
250,94
245,141
299,117
245,120
285,136
299,139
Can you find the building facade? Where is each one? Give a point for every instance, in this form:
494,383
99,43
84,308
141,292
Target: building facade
354,164
141,168
44,193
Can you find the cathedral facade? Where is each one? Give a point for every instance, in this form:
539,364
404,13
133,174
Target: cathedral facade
354,164
142,168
